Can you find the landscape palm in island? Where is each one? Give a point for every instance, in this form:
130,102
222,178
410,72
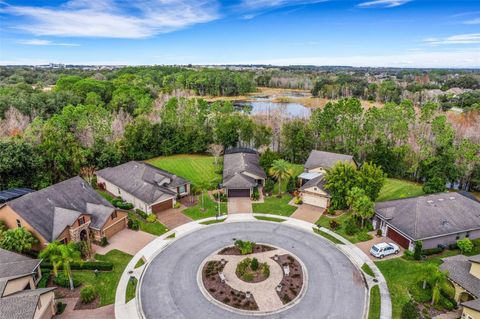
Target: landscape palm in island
240,159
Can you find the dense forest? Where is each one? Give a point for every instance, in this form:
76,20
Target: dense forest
57,123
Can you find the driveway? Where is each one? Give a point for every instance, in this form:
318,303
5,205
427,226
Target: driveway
239,205
308,213
106,312
173,218
366,245
123,241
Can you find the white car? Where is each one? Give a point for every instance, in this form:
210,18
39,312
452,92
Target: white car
384,249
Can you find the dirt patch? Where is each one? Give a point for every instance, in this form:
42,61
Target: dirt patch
62,292
223,292
232,250
82,306
291,284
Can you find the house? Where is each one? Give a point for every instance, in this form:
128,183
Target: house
148,188
19,296
313,179
68,211
464,273
437,220
242,172
13,193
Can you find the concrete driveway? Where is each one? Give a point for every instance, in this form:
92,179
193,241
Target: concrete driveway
366,245
239,205
308,213
127,240
173,218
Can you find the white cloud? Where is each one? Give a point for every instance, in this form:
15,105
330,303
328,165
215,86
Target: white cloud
473,21
471,38
262,4
113,18
45,42
383,3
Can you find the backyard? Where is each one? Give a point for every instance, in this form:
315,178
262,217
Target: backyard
274,205
397,188
210,206
199,169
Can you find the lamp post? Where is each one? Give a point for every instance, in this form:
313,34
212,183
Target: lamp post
219,200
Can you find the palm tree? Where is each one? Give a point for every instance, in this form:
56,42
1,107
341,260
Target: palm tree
280,170
436,280
62,255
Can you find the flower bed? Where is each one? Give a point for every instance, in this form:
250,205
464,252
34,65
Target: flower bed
250,270
291,285
233,250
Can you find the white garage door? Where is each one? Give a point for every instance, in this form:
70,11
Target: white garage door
318,201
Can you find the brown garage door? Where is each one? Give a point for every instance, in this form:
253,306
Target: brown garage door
398,238
238,193
115,228
162,206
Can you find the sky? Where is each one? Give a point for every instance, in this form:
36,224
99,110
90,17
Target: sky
395,33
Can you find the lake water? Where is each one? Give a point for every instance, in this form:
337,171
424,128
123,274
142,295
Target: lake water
265,106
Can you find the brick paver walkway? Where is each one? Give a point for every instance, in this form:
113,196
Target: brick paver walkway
106,312
308,213
173,218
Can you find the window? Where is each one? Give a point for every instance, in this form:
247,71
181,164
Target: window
467,235
114,215
457,237
81,220
181,189
63,240
118,189
19,223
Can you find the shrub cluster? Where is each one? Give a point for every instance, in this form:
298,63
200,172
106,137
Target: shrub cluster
141,213
63,281
87,265
255,194
133,224
151,218
88,294
120,203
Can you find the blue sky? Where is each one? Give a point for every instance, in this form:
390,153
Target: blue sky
399,33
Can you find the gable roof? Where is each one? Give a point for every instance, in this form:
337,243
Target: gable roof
472,304
326,159
13,265
142,180
318,181
431,216
458,268
22,304
235,165
52,209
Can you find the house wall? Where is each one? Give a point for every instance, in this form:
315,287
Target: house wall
449,239
110,223
475,270
18,284
255,177
9,217
316,191
46,306
470,313
113,189
187,190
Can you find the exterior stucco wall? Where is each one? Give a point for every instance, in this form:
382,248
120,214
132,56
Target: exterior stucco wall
475,270
9,217
470,313
121,218
18,284
449,239
46,306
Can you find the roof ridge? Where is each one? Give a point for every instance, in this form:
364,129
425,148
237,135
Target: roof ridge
416,219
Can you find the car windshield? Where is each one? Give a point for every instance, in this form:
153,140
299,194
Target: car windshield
374,248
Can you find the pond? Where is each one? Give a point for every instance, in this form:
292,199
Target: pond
265,107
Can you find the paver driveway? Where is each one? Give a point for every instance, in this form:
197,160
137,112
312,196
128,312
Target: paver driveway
239,205
308,213
172,218
366,245
127,240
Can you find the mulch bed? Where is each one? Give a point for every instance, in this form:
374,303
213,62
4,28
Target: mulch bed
81,306
291,284
63,292
223,292
232,250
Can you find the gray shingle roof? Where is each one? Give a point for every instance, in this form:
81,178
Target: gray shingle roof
472,304
431,216
234,167
325,159
13,265
144,181
47,210
458,268
13,193
21,305
318,181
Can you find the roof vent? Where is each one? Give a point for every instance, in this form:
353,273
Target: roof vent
451,198
441,199
444,222
430,201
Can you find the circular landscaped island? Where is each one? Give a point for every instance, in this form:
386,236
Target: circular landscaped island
252,277
197,276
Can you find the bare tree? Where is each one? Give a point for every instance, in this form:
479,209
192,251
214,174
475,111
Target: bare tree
216,150
120,121
14,123
87,172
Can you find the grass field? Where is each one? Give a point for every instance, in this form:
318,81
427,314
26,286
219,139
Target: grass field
327,236
198,169
324,221
270,219
211,208
106,282
375,303
155,228
397,188
275,206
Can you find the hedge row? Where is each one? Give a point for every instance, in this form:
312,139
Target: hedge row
87,265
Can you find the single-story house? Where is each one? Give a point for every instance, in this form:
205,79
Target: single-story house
312,179
464,273
148,188
437,220
242,172
19,296
68,211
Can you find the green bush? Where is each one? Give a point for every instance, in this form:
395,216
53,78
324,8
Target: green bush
133,224
242,267
334,224
245,247
465,245
88,294
86,265
363,236
42,283
60,307
266,269
254,264
417,252
63,281
151,218
223,197
351,227
291,185
432,251
255,193
120,203
379,232
269,185
298,200
103,241
409,311
141,213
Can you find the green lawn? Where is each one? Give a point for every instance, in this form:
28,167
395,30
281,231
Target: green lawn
297,169
196,168
214,221
270,219
105,195
324,221
106,282
131,288
195,212
275,206
375,303
327,236
366,269
397,188
155,228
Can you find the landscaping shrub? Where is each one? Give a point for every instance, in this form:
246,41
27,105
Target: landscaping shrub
63,281
254,264
409,311
298,200
120,203
60,307
432,251
88,294
465,245
363,236
351,227
291,185
417,252
255,194
379,232
269,185
87,265
133,224
266,269
242,267
103,241
245,247
334,224
177,205
221,196
42,283
141,213
151,218
82,247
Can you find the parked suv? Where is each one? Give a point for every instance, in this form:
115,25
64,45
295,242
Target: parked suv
384,249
